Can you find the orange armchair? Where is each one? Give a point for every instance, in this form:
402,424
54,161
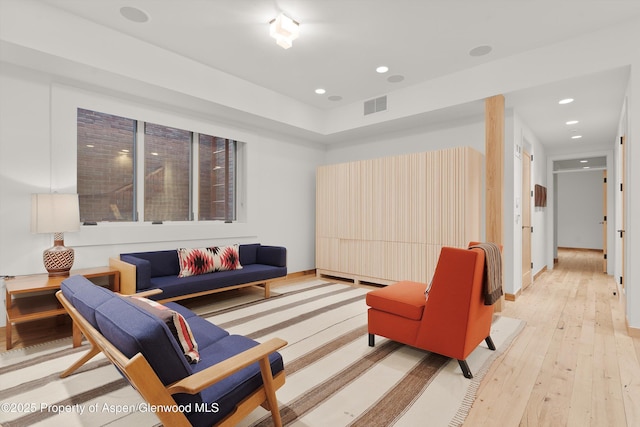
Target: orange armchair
451,321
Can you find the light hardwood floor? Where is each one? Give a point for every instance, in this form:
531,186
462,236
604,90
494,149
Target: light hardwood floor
573,364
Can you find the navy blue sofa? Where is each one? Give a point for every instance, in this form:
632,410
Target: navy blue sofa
159,270
133,330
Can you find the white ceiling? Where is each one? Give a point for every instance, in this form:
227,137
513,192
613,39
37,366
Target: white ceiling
342,42
580,164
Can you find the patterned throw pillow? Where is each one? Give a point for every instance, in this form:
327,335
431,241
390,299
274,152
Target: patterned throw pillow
176,323
226,257
196,261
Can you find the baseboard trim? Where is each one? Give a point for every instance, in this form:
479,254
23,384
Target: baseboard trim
631,331
512,297
539,273
580,249
301,274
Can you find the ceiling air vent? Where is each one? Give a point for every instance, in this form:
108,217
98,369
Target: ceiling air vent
375,105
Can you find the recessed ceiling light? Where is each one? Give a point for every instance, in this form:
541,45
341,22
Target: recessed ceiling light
90,145
320,91
565,101
382,69
576,137
335,98
584,161
134,14
154,154
480,50
395,79
586,167
572,122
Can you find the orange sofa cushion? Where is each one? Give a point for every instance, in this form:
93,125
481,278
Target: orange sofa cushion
405,299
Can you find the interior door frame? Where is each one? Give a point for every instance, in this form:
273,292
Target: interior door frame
527,269
551,240
621,231
605,221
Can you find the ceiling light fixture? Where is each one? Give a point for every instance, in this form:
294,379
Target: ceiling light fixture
382,69
320,91
565,101
572,122
285,30
576,137
584,161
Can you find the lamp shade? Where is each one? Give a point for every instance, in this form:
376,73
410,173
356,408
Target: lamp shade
54,213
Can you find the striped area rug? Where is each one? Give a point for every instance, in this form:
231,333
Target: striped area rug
333,376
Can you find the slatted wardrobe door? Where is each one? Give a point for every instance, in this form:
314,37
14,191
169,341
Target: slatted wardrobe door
385,220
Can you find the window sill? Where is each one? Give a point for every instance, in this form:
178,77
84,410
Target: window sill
108,233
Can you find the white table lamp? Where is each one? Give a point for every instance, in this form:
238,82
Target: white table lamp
56,213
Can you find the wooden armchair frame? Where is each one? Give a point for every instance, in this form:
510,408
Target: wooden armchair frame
144,379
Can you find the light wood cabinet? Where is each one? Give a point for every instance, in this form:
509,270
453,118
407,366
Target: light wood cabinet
385,220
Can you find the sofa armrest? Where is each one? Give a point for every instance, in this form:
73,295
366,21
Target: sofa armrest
127,275
199,381
143,271
272,255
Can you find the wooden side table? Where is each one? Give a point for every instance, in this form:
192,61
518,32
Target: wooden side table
33,297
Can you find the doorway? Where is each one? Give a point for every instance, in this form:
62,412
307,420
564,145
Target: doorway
579,203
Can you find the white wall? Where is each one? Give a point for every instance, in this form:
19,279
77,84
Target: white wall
632,206
618,180
518,137
540,215
415,140
580,209
37,143
512,228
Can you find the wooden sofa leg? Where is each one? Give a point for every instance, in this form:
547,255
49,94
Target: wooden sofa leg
372,340
490,343
465,369
267,290
93,351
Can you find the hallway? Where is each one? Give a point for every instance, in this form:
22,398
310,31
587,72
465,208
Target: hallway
573,364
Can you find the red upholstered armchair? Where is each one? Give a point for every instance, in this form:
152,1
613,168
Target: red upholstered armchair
452,321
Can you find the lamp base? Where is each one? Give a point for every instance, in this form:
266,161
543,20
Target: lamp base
58,259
